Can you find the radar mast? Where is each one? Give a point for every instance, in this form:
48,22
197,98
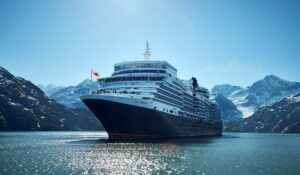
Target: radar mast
147,53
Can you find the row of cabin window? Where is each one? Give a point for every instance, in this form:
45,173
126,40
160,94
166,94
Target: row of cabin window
167,99
133,79
140,71
169,94
148,65
173,86
163,86
116,91
165,102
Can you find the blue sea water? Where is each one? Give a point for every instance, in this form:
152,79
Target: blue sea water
90,153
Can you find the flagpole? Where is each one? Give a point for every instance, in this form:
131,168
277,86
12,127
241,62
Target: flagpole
91,81
91,75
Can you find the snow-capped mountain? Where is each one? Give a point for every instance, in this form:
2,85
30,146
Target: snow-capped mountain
262,92
280,117
69,96
24,107
228,111
270,89
50,88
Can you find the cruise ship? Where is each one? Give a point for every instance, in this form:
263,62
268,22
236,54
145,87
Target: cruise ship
146,99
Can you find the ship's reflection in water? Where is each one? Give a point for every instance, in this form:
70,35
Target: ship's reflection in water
85,153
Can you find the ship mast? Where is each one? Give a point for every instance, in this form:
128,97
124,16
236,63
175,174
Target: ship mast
147,53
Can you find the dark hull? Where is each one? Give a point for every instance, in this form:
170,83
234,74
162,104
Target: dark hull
127,121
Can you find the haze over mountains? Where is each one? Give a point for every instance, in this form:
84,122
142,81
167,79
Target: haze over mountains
69,96
228,110
50,88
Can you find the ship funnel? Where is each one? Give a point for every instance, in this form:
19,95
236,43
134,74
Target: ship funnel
195,82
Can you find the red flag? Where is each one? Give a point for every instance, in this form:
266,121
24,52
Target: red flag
96,74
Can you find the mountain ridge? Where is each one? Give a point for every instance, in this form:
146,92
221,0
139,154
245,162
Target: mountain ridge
282,116
25,107
262,92
50,88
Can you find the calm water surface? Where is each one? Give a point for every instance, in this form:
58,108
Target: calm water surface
91,153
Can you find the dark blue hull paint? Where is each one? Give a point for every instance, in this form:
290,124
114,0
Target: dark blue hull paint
127,121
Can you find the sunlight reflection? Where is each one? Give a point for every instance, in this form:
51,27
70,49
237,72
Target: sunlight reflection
118,158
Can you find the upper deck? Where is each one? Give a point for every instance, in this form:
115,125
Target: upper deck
145,66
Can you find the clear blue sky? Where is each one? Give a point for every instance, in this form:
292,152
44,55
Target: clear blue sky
232,41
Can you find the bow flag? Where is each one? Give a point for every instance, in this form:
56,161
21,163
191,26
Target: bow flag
96,74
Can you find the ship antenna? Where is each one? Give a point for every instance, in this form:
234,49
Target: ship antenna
147,53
